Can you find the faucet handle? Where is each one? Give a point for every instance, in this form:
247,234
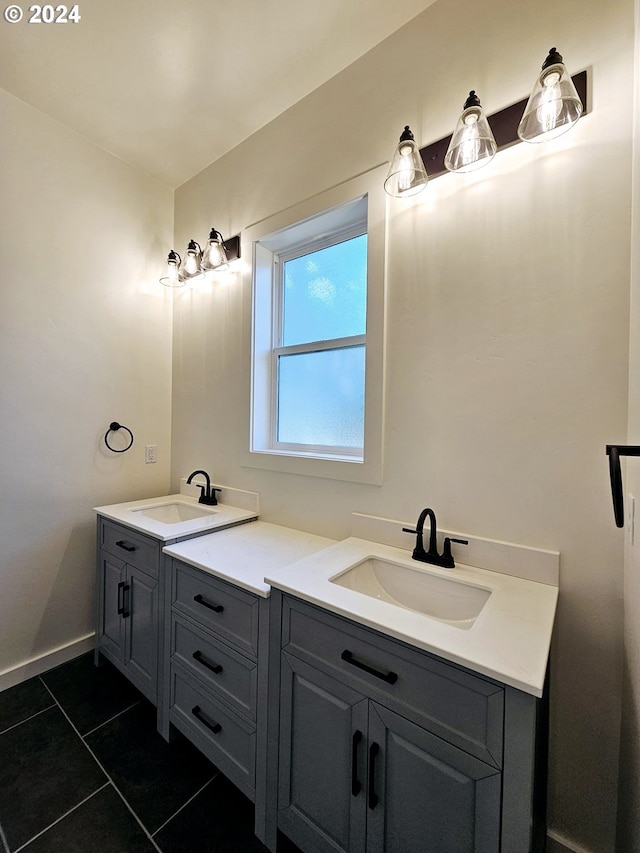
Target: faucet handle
408,530
447,557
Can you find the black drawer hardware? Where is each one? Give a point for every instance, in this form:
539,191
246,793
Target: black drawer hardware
374,749
197,713
389,677
127,546
356,787
126,607
217,608
214,667
122,608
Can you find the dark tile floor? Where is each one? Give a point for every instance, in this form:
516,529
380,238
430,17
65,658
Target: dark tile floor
83,770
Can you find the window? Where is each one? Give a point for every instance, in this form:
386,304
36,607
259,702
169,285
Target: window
317,383
319,340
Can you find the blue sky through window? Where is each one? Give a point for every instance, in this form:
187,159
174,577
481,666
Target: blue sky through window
325,293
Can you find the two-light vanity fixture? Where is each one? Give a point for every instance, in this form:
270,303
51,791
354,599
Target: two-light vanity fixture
553,107
216,256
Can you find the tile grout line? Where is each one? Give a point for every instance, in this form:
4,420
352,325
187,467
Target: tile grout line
115,787
26,719
62,817
3,838
115,716
184,805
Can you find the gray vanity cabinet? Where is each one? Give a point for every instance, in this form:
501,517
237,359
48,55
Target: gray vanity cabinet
128,616
379,747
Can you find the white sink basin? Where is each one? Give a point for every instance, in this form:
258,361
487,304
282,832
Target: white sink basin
174,512
447,599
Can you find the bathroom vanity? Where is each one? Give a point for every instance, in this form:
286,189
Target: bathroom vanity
130,538
365,703
397,731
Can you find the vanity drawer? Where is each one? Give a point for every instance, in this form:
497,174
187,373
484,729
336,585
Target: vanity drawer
138,550
228,611
224,738
224,671
463,708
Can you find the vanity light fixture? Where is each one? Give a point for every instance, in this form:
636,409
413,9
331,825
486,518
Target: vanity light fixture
472,144
216,256
545,115
172,276
407,174
554,105
191,266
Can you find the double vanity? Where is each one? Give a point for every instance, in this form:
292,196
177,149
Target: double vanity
362,700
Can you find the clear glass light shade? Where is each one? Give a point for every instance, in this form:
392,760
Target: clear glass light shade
190,268
214,256
554,106
407,175
171,276
472,144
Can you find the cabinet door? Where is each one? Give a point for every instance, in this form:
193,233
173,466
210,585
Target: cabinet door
141,618
425,795
113,589
322,771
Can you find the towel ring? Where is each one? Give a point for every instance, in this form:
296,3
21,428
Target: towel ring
113,427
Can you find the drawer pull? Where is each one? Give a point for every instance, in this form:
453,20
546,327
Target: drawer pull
214,667
197,713
389,677
374,749
127,546
356,787
217,608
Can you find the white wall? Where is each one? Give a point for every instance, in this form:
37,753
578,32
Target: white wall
508,330
85,339
629,807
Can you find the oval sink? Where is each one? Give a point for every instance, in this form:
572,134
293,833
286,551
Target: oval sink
174,512
447,599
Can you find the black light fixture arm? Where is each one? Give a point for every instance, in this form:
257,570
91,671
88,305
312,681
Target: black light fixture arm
614,452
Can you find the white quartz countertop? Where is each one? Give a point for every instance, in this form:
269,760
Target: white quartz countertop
132,514
509,640
243,555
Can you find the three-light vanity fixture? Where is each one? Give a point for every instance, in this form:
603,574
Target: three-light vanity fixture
216,256
556,103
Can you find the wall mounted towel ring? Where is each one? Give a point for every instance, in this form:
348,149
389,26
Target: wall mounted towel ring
113,427
614,452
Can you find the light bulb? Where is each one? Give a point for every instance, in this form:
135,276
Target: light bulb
407,175
171,276
472,143
214,256
554,105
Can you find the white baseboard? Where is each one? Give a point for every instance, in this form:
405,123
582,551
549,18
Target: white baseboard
557,843
42,663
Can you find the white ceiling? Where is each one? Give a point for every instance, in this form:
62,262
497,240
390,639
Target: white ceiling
170,87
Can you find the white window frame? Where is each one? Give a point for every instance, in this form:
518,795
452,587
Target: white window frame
337,211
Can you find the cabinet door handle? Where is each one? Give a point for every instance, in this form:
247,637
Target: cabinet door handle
214,667
126,607
120,598
217,608
389,677
127,546
197,713
356,787
374,749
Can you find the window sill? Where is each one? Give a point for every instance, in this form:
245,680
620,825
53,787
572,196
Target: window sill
347,468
